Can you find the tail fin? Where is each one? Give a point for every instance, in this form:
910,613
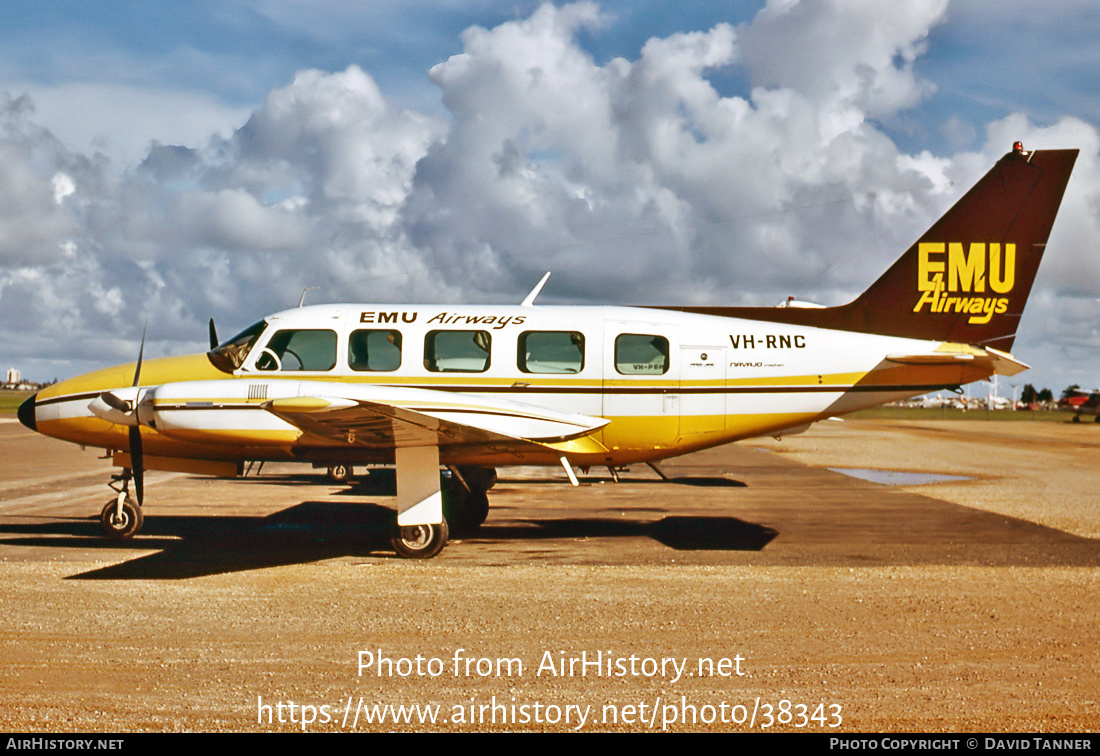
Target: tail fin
968,277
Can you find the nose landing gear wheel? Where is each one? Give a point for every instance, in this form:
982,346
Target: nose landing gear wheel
420,541
124,525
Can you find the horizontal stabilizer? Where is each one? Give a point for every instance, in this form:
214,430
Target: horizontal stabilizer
933,358
1006,364
999,362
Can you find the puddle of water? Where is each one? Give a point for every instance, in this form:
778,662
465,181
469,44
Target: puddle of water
897,478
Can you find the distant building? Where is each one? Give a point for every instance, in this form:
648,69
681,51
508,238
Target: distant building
13,376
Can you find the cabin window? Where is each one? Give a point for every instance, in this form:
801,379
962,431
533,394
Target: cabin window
299,350
551,352
641,354
457,351
230,355
374,350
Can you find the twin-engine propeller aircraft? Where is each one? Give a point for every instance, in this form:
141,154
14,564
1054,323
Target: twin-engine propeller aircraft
1086,404
473,388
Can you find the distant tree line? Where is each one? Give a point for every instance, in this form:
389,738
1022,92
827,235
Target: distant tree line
1031,396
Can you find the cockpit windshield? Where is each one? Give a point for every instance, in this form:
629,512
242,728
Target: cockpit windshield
230,355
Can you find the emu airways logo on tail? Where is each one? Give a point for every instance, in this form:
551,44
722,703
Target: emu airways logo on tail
975,271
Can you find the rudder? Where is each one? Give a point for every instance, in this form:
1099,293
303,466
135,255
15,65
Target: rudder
968,277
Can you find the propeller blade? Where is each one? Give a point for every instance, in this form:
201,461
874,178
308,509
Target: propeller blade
136,454
141,351
213,336
137,463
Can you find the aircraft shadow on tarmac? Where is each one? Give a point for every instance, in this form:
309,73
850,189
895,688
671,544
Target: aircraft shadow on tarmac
888,525
195,546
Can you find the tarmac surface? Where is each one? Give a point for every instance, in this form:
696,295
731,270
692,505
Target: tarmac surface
756,590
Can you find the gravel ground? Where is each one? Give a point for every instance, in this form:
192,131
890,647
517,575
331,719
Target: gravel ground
846,606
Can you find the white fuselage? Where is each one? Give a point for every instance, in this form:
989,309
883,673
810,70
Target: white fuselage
666,382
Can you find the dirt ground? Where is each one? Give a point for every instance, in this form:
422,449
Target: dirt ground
757,590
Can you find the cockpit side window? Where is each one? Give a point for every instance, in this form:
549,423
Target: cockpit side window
374,350
641,354
230,355
304,349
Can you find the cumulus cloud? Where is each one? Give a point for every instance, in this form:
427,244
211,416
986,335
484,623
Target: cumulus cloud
121,120
635,180
854,58
553,160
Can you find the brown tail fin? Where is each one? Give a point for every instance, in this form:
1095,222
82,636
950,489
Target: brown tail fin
968,277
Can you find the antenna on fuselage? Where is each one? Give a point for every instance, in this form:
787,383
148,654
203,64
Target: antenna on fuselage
529,300
303,297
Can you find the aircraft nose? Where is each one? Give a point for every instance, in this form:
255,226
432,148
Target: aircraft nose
26,412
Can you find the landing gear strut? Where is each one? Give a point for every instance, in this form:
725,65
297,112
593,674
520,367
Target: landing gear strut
421,530
121,517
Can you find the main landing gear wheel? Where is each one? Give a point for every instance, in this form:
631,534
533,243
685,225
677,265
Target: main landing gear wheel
340,473
124,525
420,541
477,508
466,510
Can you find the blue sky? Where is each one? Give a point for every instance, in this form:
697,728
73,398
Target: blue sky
180,161
984,63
